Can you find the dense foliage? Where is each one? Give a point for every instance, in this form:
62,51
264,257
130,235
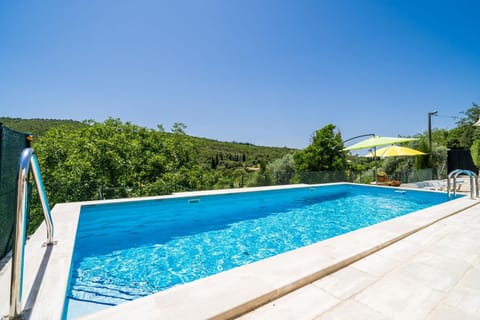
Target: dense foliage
475,152
463,136
325,153
115,159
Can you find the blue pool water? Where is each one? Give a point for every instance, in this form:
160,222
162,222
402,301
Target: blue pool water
129,250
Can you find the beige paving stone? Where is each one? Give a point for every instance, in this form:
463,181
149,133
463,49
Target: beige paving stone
448,271
432,276
476,262
349,310
400,251
426,236
357,242
398,225
469,218
445,312
375,264
469,237
437,260
471,279
454,250
465,299
399,297
345,283
304,303
419,218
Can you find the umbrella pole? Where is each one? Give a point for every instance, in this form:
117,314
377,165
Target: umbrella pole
375,170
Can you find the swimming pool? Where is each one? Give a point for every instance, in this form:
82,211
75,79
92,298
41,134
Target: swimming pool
129,250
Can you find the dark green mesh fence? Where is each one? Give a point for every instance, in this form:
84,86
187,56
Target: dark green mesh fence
11,145
324,177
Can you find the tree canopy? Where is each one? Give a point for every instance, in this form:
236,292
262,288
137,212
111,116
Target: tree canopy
115,159
325,153
475,153
463,136
76,163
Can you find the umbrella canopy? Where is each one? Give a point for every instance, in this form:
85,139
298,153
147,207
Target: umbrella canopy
377,141
395,151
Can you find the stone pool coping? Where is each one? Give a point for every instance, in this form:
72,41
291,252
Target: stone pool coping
221,296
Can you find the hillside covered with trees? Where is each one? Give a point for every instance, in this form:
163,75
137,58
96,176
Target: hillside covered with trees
91,160
218,154
37,127
116,159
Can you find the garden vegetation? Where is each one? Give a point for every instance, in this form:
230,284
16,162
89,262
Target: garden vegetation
103,160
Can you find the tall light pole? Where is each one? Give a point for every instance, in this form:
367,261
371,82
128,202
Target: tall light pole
430,114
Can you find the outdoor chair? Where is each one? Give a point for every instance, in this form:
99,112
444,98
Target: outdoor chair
383,179
439,185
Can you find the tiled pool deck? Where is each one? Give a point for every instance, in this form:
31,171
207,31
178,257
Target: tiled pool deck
425,265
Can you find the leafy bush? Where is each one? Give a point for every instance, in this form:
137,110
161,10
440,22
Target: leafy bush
475,152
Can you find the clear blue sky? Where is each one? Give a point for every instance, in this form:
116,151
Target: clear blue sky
265,72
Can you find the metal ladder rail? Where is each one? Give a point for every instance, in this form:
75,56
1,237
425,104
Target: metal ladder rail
474,178
450,176
473,182
27,159
454,175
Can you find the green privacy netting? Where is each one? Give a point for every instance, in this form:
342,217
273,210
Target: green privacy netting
11,145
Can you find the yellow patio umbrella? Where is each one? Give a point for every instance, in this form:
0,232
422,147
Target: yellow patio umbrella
395,151
374,142
377,141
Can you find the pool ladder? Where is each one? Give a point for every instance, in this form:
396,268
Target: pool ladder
28,160
473,182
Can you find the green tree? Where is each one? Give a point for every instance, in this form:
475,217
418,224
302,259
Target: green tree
160,127
423,162
325,153
439,137
263,176
475,152
465,133
239,177
282,169
120,158
179,127
439,160
470,116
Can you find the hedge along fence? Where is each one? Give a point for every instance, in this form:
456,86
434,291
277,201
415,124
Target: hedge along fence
11,145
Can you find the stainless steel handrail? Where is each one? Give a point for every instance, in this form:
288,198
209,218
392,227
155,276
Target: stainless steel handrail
27,159
43,198
473,182
450,175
